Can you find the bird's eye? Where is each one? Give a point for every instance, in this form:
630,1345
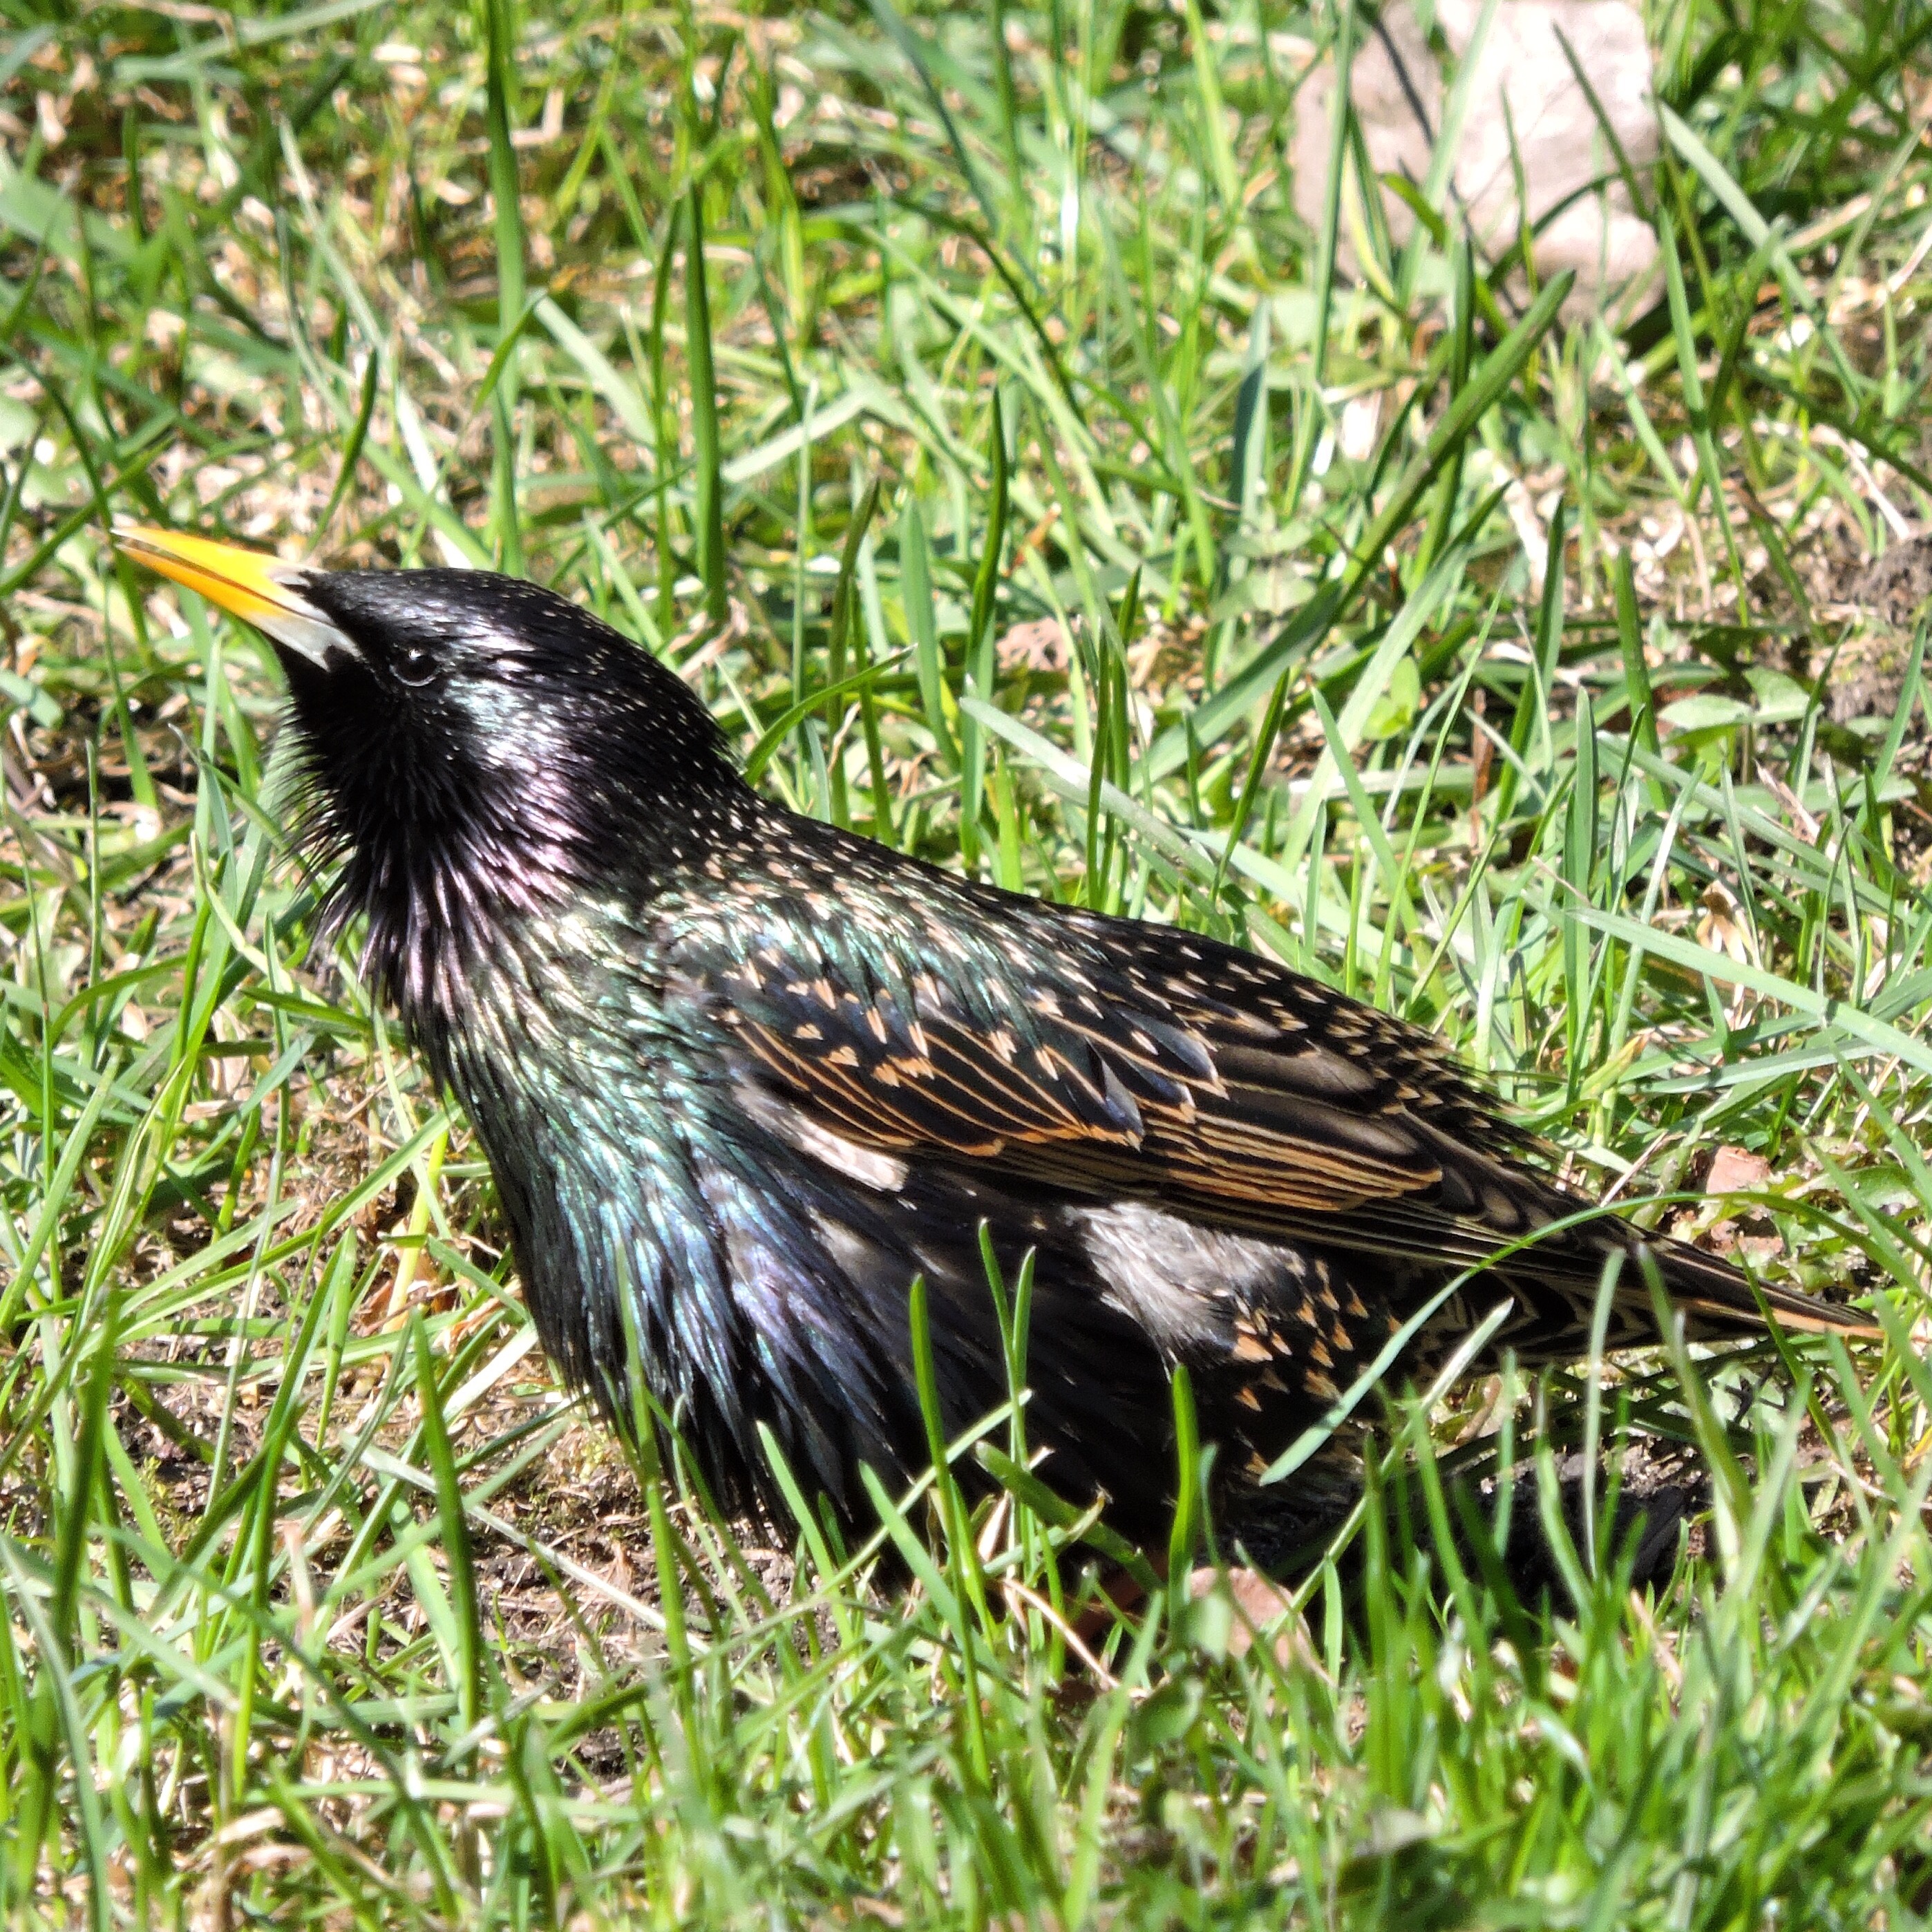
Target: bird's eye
415,666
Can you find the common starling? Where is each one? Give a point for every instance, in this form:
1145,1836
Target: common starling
753,1074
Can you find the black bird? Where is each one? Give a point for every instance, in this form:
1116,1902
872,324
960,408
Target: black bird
753,1074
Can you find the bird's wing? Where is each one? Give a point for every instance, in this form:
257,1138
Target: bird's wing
1106,1061
1103,1058
903,1061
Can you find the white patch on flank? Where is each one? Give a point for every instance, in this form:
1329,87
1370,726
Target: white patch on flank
1172,1277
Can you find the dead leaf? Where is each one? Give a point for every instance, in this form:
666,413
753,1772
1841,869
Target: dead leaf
1039,646
1735,1170
1260,1603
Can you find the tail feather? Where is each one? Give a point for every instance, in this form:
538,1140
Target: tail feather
1555,1303
1561,1268
1722,1302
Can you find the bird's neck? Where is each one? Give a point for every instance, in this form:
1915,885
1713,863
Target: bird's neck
470,884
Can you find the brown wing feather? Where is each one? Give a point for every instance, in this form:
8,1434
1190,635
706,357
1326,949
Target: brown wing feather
1218,1084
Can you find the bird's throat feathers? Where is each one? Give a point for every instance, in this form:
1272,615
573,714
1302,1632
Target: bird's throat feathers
487,775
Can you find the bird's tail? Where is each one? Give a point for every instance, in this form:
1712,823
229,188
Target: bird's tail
1555,1297
1719,1303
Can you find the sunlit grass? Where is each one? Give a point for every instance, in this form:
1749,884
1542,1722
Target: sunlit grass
1039,516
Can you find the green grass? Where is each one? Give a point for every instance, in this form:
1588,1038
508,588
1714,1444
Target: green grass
1049,520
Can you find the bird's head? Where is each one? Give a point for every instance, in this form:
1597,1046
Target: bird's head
472,748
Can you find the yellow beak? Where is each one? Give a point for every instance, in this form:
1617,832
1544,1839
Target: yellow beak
259,589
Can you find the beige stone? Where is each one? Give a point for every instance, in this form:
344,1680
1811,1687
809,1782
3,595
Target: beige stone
1521,81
